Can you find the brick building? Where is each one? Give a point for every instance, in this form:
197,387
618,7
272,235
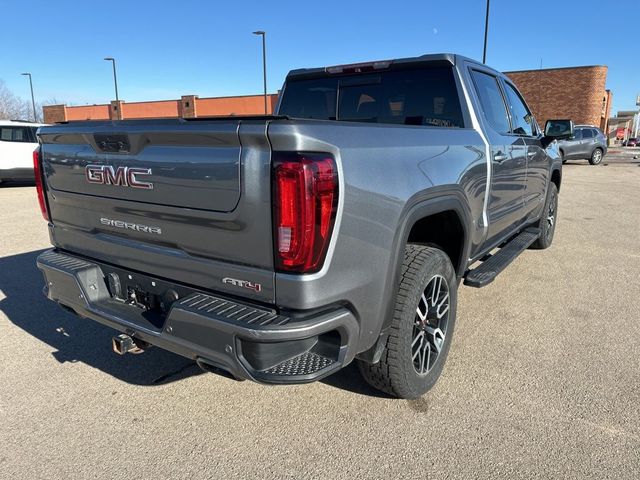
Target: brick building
578,93
189,106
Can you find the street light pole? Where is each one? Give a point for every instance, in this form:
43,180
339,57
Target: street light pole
486,33
115,78
637,116
33,101
264,64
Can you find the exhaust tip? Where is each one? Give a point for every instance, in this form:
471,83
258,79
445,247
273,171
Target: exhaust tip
211,367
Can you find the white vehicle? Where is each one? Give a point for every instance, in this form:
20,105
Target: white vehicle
17,143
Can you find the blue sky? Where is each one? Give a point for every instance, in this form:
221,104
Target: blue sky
167,49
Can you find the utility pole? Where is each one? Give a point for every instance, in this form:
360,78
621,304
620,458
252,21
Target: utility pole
486,33
33,101
264,64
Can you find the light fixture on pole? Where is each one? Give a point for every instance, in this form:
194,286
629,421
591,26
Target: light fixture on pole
264,64
33,101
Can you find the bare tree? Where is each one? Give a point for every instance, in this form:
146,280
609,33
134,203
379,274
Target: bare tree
13,107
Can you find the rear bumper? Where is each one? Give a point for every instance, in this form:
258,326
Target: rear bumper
250,341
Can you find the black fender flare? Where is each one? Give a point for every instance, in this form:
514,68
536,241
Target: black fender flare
556,168
424,204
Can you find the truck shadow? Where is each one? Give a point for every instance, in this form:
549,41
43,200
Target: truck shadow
81,340
74,339
350,379
17,183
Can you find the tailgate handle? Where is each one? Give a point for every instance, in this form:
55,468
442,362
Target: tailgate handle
112,143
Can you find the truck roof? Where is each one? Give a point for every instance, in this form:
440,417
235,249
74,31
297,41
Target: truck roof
437,58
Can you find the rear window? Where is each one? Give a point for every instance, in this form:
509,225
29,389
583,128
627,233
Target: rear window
425,96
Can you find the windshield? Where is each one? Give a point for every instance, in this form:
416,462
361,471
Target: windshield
426,96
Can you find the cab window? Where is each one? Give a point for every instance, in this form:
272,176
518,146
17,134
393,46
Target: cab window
424,96
520,114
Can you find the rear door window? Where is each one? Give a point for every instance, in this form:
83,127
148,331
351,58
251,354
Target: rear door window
424,96
587,133
491,101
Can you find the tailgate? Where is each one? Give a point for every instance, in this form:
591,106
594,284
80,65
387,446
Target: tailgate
184,200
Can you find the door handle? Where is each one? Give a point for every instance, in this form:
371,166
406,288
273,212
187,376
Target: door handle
530,154
500,157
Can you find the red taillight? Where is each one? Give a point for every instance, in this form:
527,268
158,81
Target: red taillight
39,187
305,202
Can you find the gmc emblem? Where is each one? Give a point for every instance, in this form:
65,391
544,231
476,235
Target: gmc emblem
121,176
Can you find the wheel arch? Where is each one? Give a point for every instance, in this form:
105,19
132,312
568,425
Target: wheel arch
442,230
449,209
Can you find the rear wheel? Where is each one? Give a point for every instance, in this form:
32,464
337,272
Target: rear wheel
422,326
547,223
596,157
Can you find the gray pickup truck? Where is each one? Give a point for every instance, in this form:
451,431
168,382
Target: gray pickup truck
282,248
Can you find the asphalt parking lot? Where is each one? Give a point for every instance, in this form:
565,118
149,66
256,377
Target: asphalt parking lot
542,381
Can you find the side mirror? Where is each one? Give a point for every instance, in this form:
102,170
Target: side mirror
558,129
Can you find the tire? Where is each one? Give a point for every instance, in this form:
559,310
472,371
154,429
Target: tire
547,224
596,157
421,329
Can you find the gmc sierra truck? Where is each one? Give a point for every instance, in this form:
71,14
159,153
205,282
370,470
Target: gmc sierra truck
282,248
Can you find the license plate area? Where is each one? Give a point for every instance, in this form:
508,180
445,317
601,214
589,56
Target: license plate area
143,300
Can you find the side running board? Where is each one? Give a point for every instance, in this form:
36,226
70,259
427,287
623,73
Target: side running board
490,268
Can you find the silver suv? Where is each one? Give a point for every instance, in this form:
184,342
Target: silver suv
588,142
